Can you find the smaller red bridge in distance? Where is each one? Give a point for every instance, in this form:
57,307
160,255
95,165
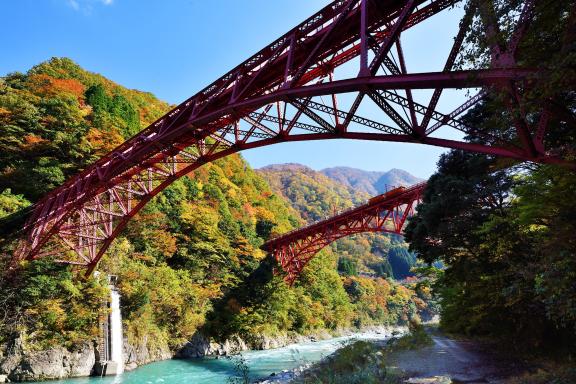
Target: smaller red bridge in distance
383,213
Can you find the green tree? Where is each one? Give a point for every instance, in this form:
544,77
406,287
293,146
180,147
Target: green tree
347,266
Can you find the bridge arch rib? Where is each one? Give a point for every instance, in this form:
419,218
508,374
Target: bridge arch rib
289,91
385,213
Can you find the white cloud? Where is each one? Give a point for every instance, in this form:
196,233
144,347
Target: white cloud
87,5
74,4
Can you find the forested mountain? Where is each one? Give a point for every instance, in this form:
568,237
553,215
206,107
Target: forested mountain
189,261
313,194
316,196
372,183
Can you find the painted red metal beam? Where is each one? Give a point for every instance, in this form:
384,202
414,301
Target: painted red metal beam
384,213
190,106
456,79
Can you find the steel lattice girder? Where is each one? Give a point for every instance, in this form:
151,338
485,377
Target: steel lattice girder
276,96
295,249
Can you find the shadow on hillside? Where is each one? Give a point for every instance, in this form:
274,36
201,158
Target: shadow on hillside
10,231
11,225
252,292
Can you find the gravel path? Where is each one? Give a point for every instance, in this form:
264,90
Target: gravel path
462,361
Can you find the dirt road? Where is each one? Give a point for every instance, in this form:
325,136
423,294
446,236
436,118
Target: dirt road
462,361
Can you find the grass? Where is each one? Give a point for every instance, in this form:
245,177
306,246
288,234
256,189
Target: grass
364,362
357,362
417,338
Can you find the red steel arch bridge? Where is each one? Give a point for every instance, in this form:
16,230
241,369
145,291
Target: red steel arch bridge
313,83
384,213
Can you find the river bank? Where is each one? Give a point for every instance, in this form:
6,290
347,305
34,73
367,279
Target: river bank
18,364
427,356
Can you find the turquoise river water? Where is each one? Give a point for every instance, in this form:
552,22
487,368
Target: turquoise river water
216,371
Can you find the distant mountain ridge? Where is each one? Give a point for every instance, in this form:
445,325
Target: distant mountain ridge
286,167
370,182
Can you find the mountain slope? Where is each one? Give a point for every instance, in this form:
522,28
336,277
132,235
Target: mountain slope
370,182
311,193
186,247
357,179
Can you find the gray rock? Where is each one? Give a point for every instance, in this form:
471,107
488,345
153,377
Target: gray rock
49,364
17,364
263,342
82,361
11,356
54,363
284,376
200,346
140,354
231,346
9,363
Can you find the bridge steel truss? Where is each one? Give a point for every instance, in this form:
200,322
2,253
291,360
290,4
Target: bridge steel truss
310,84
295,249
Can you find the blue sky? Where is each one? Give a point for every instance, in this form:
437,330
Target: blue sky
174,48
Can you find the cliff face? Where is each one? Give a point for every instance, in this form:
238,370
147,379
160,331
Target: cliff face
140,354
18,364
200,345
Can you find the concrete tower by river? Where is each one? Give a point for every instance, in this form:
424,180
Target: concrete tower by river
116,338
